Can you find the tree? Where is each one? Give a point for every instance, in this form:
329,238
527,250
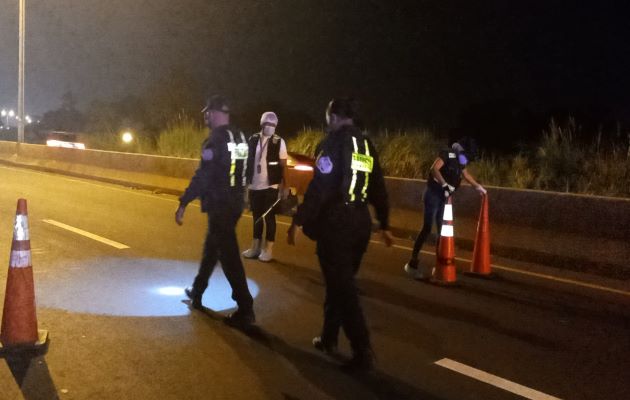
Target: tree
66,117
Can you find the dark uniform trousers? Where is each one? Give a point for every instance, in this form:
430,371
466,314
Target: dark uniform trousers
260,201
434,201
340,249
221,245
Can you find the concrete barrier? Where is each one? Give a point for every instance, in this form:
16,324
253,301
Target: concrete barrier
566,230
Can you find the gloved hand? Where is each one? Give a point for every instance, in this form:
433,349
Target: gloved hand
448,189
481,189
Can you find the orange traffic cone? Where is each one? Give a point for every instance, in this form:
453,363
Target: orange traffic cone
480,265
445,273
19,323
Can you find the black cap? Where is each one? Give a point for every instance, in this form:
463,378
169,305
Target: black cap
217,103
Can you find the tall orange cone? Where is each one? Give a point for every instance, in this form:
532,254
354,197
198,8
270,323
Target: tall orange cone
445,273
19,321
480,265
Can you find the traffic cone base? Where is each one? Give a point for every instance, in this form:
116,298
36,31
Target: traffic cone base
38,348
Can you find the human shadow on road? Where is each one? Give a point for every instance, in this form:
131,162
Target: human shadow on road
372,289
32,376
379,291
259,350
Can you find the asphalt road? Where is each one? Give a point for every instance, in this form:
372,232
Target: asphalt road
120,330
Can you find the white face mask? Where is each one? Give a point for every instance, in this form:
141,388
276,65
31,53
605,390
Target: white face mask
268,130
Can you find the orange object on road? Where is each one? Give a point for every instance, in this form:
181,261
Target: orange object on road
480,265
445,273
19,321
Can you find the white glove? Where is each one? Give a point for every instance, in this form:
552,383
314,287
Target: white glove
481,189
448,189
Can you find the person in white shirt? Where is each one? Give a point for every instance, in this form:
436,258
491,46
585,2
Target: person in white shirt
266,162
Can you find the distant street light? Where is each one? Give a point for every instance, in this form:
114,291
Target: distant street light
127,137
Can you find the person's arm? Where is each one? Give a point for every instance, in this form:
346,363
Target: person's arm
435,171
202,178
437,175
469,178
326,178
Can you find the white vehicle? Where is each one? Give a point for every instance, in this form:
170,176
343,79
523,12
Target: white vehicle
64,139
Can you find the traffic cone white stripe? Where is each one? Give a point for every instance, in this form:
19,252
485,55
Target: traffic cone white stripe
20,231
20,259
448,212
447,231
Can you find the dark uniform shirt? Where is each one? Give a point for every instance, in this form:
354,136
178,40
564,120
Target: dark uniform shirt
220,178
335,182
451,170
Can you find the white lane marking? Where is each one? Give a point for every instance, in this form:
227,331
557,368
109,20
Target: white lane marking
531,274
509,269
499,267
494,380
92,236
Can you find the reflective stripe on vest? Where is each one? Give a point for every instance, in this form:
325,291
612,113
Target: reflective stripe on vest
237,152
360,163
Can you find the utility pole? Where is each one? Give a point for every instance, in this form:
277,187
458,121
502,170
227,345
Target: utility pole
22,27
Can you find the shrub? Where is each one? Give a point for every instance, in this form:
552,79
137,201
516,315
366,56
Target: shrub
306,141
181,138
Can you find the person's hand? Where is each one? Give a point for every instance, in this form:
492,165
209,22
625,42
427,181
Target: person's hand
387,237
448,189
481,190
292,234
179,215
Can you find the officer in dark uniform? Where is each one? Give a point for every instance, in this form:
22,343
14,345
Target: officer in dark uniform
219,182
335,213
444,179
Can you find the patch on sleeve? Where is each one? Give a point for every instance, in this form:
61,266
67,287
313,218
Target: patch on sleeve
324,165
207,154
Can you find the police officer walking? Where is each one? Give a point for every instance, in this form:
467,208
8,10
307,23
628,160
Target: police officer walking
265,169
220,181
335,214
444,178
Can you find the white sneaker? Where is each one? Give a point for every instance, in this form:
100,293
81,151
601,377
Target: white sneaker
254,251
417,273
266,254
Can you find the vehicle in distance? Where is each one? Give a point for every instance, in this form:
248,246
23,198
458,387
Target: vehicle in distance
66,140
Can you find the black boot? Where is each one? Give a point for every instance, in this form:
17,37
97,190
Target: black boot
240,318
323,346
196,298
361,361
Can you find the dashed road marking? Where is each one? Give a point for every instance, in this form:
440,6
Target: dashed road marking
87,234
494,380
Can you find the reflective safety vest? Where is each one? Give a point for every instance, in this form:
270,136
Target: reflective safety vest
238,152
361,167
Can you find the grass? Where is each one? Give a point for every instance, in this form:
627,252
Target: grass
182,138
558,163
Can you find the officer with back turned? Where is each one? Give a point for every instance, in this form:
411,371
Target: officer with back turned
220,182
335,214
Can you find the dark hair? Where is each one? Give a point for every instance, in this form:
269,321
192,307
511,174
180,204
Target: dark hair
346,107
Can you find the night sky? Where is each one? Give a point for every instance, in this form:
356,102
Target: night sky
411,63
